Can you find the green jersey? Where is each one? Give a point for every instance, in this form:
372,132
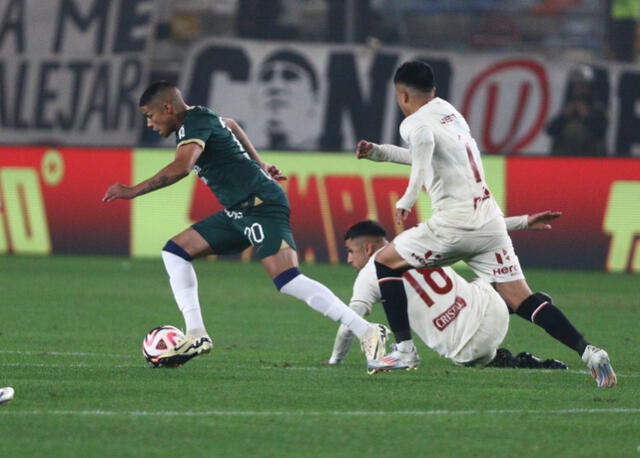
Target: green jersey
224,166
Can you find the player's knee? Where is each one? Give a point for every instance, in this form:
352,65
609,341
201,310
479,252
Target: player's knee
174,248
285,277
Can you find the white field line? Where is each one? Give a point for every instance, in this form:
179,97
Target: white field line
142,365
301,413
63,353
274,367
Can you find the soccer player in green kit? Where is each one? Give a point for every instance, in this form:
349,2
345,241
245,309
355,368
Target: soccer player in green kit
256,214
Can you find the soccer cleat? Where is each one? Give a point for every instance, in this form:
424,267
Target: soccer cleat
184,350
528,361
503,358
396,360
6,394
598,361
524,360
374,341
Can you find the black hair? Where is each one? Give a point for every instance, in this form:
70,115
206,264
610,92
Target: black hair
415,74
295,59
365,228
153,90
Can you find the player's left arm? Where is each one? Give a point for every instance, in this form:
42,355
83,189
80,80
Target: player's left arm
422,145
535,222
186,156
243,138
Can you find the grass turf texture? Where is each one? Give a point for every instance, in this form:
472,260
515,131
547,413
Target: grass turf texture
70,339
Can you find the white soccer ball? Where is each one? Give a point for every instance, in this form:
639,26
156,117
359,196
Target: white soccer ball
158,341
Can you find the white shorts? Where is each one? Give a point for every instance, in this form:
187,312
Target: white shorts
488,250
481,348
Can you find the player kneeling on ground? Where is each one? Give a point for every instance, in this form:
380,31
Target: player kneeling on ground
465,322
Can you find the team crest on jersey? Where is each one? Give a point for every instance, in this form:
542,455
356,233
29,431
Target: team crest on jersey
181,133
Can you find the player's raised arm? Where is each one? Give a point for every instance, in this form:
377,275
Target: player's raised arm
186,157
243,138
382,153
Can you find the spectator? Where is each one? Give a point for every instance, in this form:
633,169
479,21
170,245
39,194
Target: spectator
581,126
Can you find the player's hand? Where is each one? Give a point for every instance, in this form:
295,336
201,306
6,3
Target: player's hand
274,172
401,215
363,148
118,191
540,221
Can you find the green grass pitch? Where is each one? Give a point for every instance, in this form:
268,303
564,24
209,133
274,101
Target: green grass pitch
70,334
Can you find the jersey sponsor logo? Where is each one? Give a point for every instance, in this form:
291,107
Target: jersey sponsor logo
234,214
504,255
506,270
181,133
448,118
448,316
425,259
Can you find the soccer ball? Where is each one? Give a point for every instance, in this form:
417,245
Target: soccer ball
158,341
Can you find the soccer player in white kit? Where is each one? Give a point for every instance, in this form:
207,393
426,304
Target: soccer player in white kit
461,321
467,223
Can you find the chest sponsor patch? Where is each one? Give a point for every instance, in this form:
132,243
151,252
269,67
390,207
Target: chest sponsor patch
446,318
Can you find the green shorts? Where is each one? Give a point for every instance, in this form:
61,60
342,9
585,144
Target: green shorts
266,227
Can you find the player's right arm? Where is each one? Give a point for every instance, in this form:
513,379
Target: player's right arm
382,153
366,292
344,336
186,156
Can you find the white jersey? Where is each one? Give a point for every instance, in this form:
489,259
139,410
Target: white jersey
446,161
366,293
445,310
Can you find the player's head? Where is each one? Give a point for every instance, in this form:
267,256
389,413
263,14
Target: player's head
163,106
362,240
415,84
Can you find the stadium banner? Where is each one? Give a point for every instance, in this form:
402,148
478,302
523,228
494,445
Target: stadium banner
296,96
600,201
50,203
71,71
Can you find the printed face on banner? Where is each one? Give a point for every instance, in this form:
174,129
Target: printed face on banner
287,97
326,97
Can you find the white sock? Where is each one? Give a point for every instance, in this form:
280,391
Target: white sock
406,346
321,299
184,285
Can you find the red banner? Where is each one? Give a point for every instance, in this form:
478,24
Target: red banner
51,200
600,201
